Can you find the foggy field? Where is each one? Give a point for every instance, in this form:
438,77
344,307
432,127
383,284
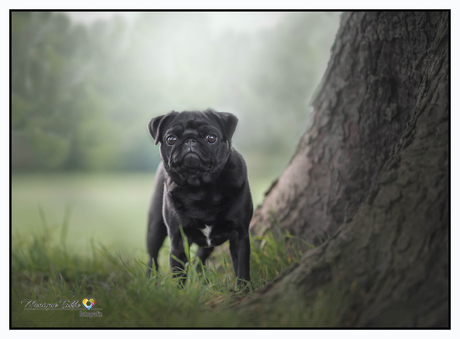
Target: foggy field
110,208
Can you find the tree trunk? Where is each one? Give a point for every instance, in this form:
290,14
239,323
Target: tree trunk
366,98
374,167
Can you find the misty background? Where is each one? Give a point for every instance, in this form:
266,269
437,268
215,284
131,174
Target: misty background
85,85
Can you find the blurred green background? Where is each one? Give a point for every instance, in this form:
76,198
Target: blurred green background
85,85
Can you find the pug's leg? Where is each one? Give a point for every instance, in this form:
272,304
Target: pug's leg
203,254
234,254
156,231
177,259
240,249
244,252
155,237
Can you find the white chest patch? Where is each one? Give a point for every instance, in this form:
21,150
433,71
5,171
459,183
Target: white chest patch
207,232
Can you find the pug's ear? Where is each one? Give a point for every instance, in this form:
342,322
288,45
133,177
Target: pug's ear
156,125
154,129
228,122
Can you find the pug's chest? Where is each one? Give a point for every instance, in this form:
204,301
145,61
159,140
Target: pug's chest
209,235
204,216
199,206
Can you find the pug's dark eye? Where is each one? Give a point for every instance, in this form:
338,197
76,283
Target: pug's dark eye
211,138
171,140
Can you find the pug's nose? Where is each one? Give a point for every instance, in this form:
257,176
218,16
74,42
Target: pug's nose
190,143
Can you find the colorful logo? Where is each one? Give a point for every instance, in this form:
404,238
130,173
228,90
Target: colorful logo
88,303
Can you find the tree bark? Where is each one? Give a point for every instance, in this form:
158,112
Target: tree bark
375,167
366,98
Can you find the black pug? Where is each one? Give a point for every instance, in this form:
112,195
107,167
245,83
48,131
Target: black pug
202,186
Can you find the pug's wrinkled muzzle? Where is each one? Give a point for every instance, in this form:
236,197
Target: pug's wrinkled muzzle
191,161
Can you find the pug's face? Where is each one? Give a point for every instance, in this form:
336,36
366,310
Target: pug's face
195,145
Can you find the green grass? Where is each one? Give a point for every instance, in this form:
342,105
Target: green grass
46,271
77,236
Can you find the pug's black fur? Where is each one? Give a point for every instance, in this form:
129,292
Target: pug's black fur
202,186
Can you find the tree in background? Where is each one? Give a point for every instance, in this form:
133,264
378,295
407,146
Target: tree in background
371,173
